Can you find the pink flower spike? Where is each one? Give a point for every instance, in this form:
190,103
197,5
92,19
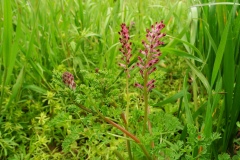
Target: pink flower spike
68,79
125,47
151,53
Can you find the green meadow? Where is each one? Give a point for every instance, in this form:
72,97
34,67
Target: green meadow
119,79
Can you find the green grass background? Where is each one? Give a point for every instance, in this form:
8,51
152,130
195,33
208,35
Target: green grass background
202,45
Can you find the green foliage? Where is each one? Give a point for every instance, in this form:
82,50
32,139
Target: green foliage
193,109
221,66
71,138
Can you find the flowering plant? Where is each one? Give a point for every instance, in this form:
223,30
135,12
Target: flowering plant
147,63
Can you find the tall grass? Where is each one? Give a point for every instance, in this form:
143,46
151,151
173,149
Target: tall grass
210,36
37,37
214,32
50,33
222,64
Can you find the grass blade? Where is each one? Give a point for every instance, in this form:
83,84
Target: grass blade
179,53
16,88
7,42
201,77
220,51
170,99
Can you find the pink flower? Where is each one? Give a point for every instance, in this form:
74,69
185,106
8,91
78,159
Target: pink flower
125,48
138,85
150,82
68,79
151,53
150,85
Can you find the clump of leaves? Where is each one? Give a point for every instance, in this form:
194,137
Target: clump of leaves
76,128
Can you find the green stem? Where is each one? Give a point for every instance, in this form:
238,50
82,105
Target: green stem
145,151
129,149
2,95
127,96
127,114
118,155
194,84
128,141
145,94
